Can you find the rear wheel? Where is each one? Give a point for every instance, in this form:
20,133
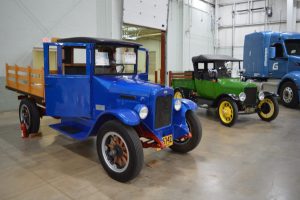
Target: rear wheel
268,109
188,144
29,115
120,151
178,94
227,111
289,95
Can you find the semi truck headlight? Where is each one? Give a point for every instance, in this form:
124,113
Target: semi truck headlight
261,95
242,96
177,105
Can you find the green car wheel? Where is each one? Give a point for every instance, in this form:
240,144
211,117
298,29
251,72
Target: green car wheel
227,111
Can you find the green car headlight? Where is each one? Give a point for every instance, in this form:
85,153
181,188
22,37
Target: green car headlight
242,96
261,95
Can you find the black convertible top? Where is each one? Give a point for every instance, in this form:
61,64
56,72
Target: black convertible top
98,41
212,58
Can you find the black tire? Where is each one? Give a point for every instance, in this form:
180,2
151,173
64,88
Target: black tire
134,149
234,111
287,89
179,91
196,131
269,109
30,115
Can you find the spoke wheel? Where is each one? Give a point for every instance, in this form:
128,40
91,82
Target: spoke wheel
227,111
268,109
115,152
25,115
120,150
178,95
29,115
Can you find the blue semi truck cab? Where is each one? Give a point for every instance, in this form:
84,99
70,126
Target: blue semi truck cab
274,55
96,88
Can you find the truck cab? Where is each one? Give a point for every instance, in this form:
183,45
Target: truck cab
274,55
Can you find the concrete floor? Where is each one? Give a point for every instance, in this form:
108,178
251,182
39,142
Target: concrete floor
252,160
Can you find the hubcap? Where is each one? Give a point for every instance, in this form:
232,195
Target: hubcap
226,112
115,152
287,95
25,115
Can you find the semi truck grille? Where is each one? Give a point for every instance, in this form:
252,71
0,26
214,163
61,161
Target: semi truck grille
163,111
250,96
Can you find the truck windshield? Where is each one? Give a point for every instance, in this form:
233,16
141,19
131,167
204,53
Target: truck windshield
293,47
115,60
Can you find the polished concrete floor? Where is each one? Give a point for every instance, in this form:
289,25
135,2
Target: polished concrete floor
252,160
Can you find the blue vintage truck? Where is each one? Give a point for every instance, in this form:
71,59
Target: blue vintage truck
96,90
275,56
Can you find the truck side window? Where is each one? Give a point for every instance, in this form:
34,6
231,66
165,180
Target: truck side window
74,60
279,50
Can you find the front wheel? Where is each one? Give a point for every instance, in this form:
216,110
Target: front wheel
268,109
188,144
227,111
289,95
120,151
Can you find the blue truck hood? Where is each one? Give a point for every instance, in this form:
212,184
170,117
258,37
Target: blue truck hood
128,86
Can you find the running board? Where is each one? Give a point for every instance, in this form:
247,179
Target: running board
72,129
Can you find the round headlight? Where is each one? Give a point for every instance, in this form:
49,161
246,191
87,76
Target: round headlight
177,105
143,113
242,96
261,95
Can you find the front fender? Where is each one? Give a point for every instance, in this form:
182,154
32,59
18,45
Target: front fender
293,76
126,116
179,118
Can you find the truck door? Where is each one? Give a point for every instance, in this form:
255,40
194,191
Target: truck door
67,86
278,65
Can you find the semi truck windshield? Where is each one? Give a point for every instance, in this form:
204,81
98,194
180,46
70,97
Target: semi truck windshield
293,47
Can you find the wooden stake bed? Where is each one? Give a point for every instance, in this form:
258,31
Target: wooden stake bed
25,80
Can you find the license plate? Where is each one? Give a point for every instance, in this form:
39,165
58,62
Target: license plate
168,140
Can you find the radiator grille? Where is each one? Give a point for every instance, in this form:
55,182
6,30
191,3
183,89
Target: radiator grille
251,94
163,111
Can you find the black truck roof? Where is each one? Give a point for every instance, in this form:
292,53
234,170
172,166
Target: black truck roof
98,41
213,58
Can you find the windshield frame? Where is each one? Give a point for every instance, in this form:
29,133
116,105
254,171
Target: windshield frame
93,59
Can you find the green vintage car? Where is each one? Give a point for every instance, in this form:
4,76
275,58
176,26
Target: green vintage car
211,86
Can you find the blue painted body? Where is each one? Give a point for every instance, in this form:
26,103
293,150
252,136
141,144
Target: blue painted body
258,62
85,102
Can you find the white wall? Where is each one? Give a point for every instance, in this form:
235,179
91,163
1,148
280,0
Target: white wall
25,23
190,32
248,22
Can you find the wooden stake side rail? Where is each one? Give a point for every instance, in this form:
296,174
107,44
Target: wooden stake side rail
25,79
179,75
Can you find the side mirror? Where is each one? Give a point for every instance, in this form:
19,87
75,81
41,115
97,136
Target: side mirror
272,52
